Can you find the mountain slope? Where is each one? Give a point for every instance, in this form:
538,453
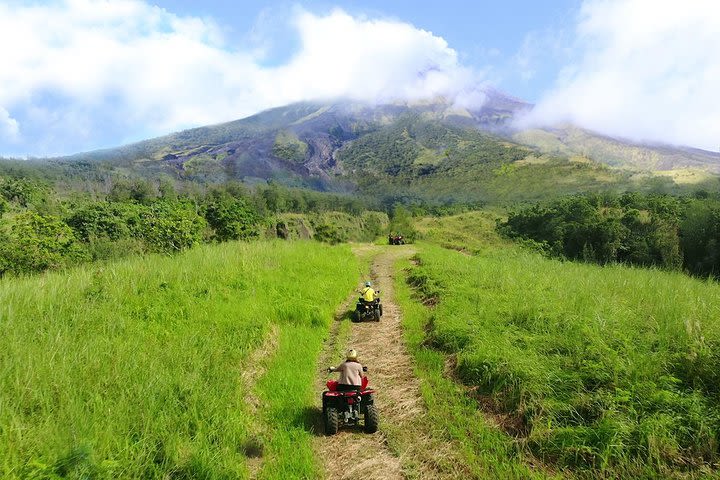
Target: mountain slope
432,150
569,140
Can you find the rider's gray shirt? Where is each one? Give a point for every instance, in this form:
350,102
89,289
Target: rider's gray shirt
350,373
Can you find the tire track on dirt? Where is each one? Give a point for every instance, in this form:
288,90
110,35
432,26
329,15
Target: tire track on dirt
352,454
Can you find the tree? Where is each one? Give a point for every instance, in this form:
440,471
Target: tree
166,187
22,191
401,223
140,191
700,233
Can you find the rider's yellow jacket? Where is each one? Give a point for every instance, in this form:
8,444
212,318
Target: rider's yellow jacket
368,294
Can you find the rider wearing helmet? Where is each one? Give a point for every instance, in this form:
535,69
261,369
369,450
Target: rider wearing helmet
368,294
351,373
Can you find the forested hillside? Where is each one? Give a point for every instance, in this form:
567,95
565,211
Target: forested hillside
424,152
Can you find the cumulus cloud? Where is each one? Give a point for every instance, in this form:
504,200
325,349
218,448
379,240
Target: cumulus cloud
644,69
80,74
8,126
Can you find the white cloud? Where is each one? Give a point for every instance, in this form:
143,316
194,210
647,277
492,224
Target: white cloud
8,126
126,67
645,69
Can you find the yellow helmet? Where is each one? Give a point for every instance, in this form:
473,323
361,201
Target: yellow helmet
352,354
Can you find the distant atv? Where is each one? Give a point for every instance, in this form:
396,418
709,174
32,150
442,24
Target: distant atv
343,409
368,310
396,240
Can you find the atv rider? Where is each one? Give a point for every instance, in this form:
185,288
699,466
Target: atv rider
368,294
351,373
369,297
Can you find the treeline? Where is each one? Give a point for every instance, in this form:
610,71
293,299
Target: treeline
40,229
634,228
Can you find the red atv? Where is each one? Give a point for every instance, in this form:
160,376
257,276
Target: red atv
346,408
396,239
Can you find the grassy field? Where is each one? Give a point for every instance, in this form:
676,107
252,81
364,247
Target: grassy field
134,369
484,450
470,232
590,371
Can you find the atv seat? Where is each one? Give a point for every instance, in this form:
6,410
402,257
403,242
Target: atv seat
332,385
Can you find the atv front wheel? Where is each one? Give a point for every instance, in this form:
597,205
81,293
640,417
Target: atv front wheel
357,317
372,418
332,421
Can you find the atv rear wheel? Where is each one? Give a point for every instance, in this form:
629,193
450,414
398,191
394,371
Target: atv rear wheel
357,316
376,314
332,421
372,418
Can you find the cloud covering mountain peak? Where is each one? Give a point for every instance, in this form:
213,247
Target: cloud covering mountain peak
88,70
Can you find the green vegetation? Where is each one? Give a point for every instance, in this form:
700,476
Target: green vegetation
402,224
289,147
605,371
133,369
418,159
572,141
36,243
42,229
469,232
665,231
196,363
331,227
453,413
419,154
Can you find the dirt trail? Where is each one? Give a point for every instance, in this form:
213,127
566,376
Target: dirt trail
352,454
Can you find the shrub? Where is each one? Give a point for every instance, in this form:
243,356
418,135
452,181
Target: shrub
329,233
169,227
232,218
36,243
104,220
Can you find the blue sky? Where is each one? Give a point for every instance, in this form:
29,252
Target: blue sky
78,75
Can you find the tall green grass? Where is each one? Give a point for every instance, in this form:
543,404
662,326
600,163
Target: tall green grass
483,450
602,370
133,369
468,232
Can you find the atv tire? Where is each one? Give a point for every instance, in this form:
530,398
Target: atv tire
372,419
357,316
332,420
376,314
